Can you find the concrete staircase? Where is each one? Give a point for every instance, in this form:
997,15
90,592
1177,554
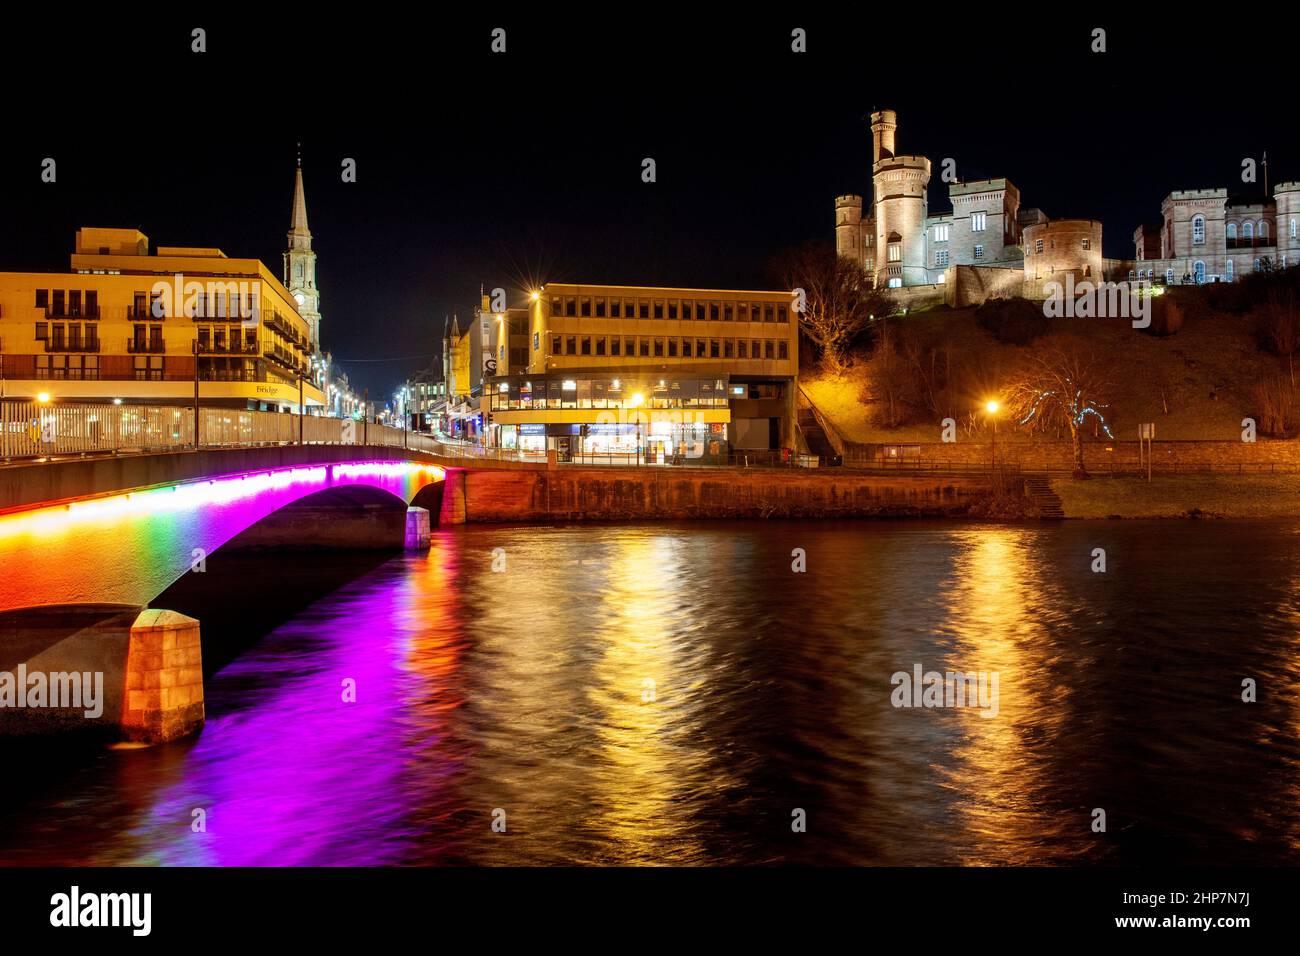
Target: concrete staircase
815,436
1043,498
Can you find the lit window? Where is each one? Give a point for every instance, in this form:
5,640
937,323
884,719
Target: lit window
1198,231
941,257
1038,245
1293,225
978,222
979,252
895,252
1247,232
941,232
895,283
1087,244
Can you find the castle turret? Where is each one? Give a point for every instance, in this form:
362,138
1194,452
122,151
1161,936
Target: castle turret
1287,198
848,227
883,124
899,184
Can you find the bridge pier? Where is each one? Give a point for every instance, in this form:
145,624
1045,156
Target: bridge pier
453,510
164,678
417,529
112,670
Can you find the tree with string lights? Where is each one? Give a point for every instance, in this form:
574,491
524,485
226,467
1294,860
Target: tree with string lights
1063,382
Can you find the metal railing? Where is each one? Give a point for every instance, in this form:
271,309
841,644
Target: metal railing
34,430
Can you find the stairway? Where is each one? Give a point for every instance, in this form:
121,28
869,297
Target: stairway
1043,498
815,436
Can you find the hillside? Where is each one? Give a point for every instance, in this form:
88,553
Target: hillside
1194,384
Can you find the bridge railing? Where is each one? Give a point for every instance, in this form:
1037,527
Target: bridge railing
35,430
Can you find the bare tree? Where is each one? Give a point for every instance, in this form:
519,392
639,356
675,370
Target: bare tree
838,299
1063,382
1280,328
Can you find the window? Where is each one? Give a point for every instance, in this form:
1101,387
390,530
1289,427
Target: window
1199,269
729,310
979,252
769,349
1229,271
978,221
783,349
659,348
781,314
615,308
586,345
42,331
1232,232
1293,228
941,257
600,345
895,252
571,345
728,348
713,349
672,311
1038,246
699,348
715,310
744,312
686,348
742,348
43,295
556,346
1087,243
941,232
1263,233
645,309
615,346
1247,233
600,308
659,310
644,348
537,341
586,308
672,348
1169,276
1198,231
895,283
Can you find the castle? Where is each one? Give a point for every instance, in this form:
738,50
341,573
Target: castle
988,245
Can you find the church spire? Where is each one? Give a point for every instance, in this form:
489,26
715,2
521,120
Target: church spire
299,225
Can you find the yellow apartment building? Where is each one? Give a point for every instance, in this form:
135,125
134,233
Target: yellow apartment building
652,373
128,324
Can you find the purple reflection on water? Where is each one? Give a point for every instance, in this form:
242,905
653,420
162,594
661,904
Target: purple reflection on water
297,776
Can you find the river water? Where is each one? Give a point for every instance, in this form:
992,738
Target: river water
678,694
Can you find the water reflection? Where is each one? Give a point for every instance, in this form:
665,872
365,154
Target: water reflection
674,694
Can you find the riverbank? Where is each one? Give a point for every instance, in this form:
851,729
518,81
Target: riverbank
1182,496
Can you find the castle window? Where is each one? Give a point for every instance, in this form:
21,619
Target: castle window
1199,270
1293,232
1087,243
978,222
1198,231
1247,232
1232,233
895,283
1169,277
1229,273
941,257
1038,245
895,252
1263,233
979,252
941,232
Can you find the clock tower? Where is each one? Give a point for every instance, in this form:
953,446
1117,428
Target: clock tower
300,263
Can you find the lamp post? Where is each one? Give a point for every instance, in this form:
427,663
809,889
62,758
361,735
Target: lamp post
992,407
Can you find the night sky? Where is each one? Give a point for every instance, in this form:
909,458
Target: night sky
522,168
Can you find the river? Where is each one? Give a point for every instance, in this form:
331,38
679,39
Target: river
679,694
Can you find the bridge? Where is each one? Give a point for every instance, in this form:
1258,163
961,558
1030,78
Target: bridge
90,536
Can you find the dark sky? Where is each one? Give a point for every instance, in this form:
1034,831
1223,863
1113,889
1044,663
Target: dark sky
476,168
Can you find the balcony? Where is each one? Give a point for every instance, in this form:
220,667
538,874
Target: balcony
145,346
227,348
90,344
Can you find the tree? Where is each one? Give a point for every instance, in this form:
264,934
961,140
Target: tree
1063,382
1280,328
838,300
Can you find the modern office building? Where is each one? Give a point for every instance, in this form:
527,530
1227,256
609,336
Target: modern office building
650,373
125,323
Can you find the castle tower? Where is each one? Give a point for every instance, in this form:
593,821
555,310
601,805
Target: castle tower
899,186
848,228
300,263
1287,197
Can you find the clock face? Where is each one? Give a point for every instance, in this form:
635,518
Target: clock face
299,298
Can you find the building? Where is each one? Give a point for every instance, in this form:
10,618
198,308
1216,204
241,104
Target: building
1206,235
124,323
901,243
639,372
989,245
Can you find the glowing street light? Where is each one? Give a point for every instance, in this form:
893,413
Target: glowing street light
992,406
43,398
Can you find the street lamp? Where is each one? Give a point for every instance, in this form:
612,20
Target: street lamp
43,398
992,406
637,401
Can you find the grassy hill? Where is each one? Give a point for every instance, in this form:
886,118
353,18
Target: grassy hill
1193,384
